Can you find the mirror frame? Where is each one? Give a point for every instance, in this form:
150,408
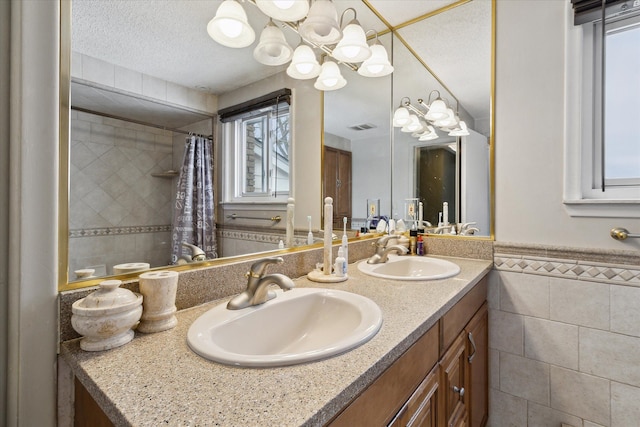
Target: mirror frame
64,156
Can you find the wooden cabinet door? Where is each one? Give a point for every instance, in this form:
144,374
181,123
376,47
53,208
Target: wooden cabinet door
422,409
337,183
478,367
453,372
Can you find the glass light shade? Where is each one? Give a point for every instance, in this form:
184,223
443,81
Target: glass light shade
284,10
437,111
449,121
401,117
303,64
273,48
330,77
413,125
428,134
353,46
378,63
461,130
230,26
321,25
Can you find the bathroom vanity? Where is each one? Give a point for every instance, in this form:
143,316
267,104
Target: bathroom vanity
426,366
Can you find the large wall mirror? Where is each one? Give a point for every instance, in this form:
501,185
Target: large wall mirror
145,75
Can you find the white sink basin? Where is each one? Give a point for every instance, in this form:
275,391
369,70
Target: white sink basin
411,268
300,325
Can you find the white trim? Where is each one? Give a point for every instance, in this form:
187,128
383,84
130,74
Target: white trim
580,197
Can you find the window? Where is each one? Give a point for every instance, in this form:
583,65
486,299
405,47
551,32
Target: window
603,116
256,144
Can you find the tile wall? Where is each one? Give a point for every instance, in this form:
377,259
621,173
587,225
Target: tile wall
564,338
118,212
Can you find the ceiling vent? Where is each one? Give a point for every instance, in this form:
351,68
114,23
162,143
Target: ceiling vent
363,126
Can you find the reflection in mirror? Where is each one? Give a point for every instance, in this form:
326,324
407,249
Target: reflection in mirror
451,169
123,171
357,146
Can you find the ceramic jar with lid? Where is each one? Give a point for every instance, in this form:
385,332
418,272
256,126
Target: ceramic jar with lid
106,317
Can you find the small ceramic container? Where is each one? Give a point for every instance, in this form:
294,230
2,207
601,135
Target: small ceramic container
159,307
130,267
106,317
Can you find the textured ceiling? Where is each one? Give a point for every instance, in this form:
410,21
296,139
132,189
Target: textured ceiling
168,39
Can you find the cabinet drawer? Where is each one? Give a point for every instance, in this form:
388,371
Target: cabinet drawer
422,409
380,402
455,319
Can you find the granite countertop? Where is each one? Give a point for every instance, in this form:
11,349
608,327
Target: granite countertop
157,380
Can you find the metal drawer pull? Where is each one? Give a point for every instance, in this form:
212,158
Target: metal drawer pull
620,233
473,344
458,390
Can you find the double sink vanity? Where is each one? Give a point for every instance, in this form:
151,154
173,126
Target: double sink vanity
386,347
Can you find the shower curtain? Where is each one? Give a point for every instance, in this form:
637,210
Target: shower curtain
194,215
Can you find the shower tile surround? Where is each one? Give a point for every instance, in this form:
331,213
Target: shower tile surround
564,336
118,212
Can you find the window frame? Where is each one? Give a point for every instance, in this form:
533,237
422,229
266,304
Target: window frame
582,196
234,146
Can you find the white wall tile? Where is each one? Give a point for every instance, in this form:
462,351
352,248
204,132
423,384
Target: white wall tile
544,416
526,294
610,355
494,368
580,394
506,410
177,94
154,87
551,342
524,378
98,71
506,332
493,292
76,64
128,80
625,409
580,303
625,310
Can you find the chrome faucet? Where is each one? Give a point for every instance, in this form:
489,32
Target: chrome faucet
466,229
257,291
381,257
197,254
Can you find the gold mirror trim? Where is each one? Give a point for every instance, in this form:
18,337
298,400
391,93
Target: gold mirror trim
63,142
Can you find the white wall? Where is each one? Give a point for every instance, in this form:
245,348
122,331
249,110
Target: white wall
530,88
306,186
33,210
563,330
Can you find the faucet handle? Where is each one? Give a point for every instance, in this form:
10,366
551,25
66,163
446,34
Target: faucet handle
258,267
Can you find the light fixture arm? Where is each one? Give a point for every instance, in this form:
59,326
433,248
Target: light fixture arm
354,20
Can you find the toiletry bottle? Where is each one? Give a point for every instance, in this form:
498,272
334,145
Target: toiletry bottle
340,265
280,244
420,245
345,242
413,240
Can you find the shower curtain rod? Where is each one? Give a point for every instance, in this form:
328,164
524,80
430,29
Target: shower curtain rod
138,122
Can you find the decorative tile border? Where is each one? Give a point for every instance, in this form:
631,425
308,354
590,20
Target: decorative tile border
256,236
618,274
113,231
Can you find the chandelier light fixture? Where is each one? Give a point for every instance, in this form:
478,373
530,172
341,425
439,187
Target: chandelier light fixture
422,124
318,27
